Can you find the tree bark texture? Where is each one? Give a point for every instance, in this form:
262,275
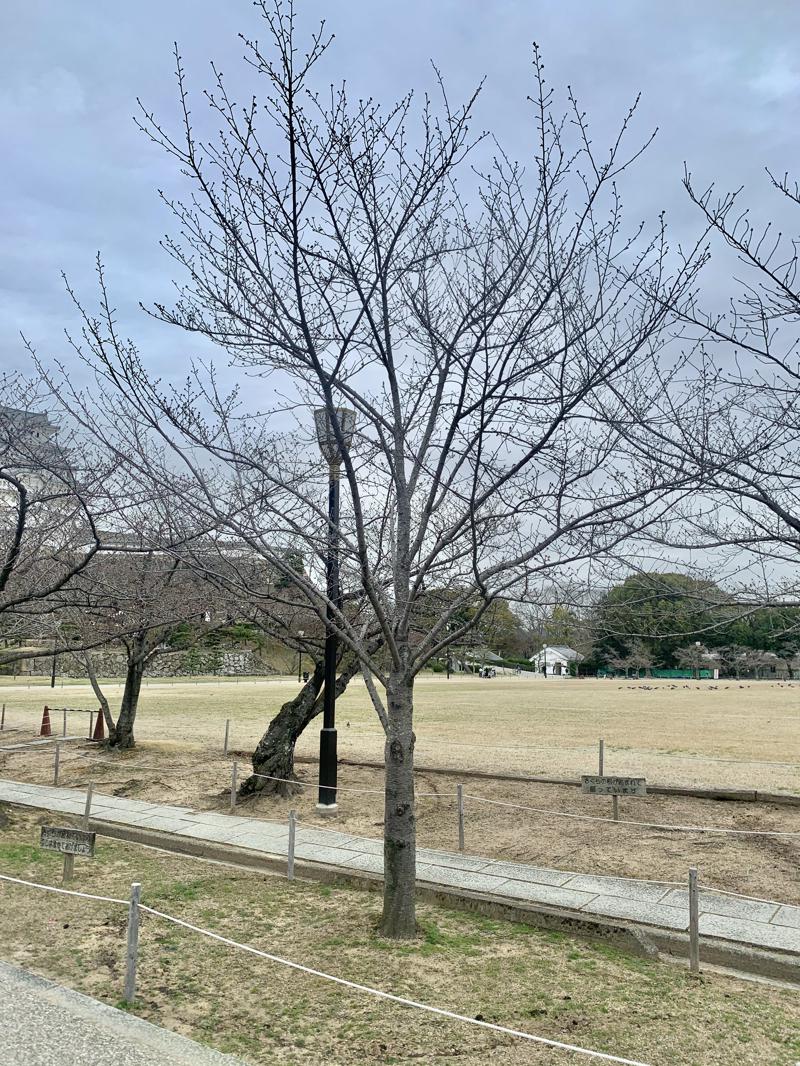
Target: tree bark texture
120,735
274,754
399,840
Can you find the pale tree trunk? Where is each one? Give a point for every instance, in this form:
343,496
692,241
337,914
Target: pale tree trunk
120,733
399,839
105,710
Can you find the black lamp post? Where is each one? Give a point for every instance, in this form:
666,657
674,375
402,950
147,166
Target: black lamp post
331,445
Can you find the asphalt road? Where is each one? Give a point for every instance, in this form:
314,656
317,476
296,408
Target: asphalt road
42,1024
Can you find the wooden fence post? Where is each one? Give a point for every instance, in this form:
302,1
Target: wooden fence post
460,799
290,850
64,730
132,952
227,732
601,756
69,867
87,810
3,718
56,760
234,770
694,923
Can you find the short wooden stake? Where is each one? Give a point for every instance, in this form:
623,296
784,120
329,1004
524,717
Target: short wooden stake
460,799
601,756
131,955
69,867
64,730
227,732
290,851
56,760
87,810
3,718
615,806
234,772
694,923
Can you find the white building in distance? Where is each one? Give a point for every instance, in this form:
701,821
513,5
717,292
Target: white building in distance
554,660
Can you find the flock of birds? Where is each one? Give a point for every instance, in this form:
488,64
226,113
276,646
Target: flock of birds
700,688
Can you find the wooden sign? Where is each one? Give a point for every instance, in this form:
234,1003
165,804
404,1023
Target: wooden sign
67,841
613,786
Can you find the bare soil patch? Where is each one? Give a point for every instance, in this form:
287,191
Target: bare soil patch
758,866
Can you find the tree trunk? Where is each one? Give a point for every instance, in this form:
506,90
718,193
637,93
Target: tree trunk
120,736
274,755
399,837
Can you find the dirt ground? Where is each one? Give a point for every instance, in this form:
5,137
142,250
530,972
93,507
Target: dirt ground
758,866
725,733
582,992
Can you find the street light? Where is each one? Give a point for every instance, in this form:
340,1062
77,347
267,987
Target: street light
300,634
334,434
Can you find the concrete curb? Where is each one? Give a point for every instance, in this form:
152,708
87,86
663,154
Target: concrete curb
638,938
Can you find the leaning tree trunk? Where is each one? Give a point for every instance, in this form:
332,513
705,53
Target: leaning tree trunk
120,734
274,755
399,836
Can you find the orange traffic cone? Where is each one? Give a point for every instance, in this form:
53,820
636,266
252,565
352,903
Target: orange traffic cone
99,727
46,731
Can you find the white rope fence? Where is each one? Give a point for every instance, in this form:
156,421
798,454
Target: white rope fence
631,821
342,788
135,906
460,795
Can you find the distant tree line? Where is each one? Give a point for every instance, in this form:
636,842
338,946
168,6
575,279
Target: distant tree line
672,620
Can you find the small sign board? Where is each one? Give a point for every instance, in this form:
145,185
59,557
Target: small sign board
613,786
67,841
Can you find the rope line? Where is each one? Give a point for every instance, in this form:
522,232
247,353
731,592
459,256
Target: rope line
391,997
63,891
342,788
343,982
630,821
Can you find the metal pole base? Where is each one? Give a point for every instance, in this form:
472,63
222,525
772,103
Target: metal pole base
327,769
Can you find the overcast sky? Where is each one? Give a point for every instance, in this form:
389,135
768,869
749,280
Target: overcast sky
720,78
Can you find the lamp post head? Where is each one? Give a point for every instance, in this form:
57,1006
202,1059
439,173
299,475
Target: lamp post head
326,435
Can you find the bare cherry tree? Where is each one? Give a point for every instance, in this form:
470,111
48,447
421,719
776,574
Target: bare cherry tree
49,504
489,327
736,418
141,600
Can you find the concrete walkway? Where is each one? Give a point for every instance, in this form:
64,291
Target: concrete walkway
42,1024
770,926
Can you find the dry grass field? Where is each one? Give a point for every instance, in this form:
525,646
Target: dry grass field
725,733
565,988
695,733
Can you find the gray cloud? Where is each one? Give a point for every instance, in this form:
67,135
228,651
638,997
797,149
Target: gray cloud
720,79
